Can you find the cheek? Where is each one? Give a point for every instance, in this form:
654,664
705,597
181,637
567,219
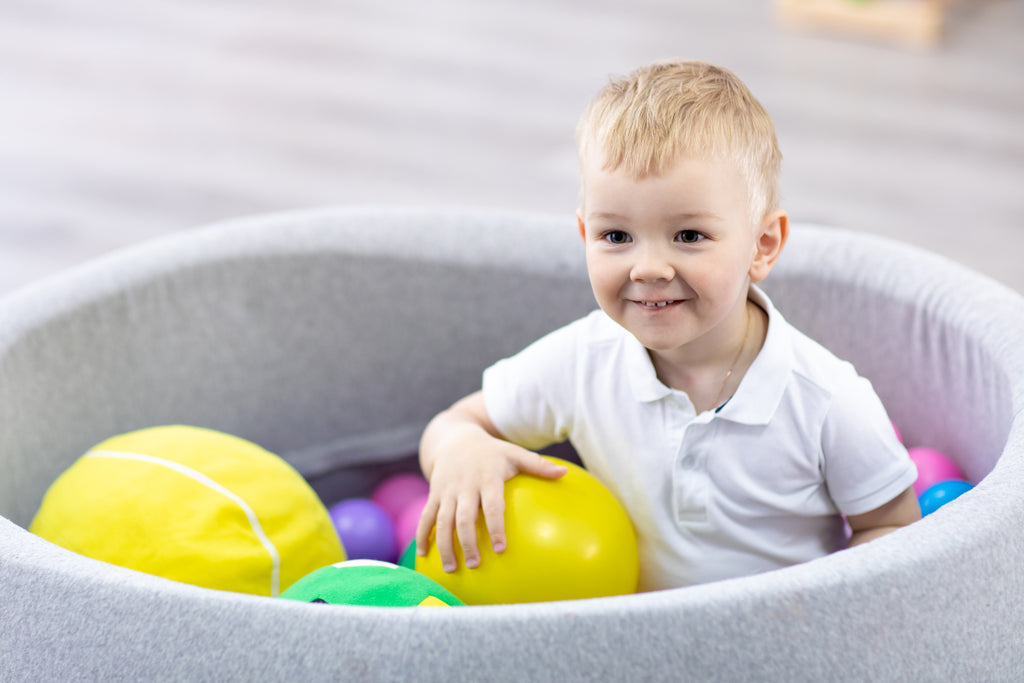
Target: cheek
711,277
728,268
604,276
605,288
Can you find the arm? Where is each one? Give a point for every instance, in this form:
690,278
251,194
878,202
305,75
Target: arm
467,462
900,511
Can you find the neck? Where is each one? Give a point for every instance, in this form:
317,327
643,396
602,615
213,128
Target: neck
712,377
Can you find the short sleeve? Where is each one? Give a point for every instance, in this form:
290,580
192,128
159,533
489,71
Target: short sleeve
530,396
865,464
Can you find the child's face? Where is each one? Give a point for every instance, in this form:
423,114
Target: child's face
670,256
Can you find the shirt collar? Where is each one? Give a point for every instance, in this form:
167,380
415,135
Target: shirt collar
762,387
760,390
643,378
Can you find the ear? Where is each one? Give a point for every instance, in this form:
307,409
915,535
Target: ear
580,224
771,238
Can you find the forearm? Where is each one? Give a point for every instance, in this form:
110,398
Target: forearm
866,535
897,513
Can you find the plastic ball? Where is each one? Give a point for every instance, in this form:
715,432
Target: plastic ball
192,505
370,583
932,467
397,491
365,529
408,556
941,493
568,538
405,528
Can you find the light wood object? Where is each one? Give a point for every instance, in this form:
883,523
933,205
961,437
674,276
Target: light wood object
911,22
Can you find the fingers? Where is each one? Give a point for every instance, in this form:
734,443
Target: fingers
492,502
532,463
460,522
463,487
426,523
465,525
453,520
443,538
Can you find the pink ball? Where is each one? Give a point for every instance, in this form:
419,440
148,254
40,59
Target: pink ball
405,527
397,491
932,467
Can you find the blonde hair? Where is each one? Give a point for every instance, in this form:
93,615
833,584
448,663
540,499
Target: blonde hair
644,122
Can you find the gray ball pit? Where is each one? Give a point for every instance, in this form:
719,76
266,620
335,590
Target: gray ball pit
331,337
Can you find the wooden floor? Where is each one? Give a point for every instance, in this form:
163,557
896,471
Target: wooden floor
122,121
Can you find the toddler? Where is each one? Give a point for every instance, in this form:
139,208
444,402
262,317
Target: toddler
736,443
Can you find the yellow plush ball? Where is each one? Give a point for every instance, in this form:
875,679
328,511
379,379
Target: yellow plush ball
568,538
192,505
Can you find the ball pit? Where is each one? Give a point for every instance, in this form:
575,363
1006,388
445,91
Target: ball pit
271,328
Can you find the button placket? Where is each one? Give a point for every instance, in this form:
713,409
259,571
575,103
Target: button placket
690,486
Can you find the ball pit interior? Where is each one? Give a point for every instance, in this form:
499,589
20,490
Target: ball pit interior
331,336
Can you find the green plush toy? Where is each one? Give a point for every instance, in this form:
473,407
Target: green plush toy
370,583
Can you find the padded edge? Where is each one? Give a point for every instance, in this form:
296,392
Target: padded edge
939,599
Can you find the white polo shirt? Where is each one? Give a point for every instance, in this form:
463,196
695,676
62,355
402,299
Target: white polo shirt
757,485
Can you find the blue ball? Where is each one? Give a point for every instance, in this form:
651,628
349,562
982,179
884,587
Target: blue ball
365,529
937,495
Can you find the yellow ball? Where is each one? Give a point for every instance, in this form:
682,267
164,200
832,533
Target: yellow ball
568,538
192,505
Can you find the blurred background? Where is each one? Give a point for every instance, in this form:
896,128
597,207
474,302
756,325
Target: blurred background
123,121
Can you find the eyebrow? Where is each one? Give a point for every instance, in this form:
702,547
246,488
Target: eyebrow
673,218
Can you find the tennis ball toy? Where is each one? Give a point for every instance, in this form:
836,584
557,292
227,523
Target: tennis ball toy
932,467
192,505
365,530
370,583
568,538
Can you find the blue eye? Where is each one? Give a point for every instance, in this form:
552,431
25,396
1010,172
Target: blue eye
616,237
689,236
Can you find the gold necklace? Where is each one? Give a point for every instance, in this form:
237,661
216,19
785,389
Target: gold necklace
746,333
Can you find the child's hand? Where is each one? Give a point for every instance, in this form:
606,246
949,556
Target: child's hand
468,465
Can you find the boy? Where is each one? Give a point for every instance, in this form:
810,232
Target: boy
735,443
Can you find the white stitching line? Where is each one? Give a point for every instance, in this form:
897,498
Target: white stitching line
254,522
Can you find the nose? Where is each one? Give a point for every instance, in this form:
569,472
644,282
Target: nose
652,265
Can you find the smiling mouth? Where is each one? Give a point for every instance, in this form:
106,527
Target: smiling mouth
657,304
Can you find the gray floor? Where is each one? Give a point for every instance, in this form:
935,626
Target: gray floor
122,121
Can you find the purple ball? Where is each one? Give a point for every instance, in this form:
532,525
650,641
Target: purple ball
366,530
